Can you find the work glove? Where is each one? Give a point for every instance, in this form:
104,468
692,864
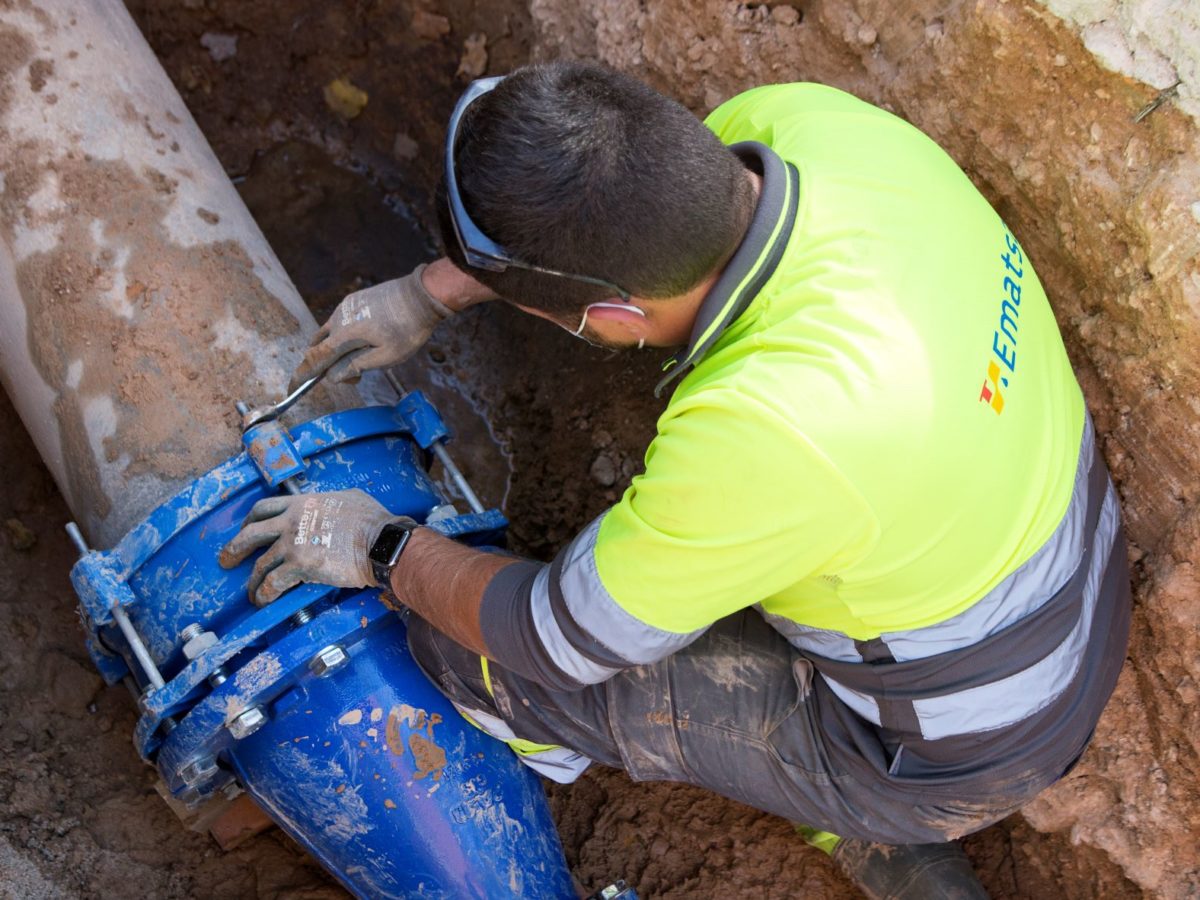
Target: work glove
322,538
371,329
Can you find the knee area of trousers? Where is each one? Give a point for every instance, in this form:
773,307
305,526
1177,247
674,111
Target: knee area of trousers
422,645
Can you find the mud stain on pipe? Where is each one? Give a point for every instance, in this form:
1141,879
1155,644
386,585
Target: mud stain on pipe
430,758
136,316
145,316
428,755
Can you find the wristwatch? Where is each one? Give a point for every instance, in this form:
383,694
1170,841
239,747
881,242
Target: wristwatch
386,550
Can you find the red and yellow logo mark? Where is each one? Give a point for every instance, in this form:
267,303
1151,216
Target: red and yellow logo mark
1004,338
991,389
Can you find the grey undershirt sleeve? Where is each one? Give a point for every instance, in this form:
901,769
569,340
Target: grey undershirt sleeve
506,620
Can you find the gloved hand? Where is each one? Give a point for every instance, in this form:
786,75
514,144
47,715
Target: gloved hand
322,538
372,328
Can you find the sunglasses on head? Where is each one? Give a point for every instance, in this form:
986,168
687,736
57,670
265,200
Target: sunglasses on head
479,250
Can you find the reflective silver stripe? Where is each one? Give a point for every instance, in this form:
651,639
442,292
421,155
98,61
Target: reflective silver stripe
883,694
1021,593
559,764
1019,696
830,644
565,655
863,704
598,614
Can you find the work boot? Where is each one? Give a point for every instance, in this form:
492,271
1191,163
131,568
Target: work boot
909,871
902,871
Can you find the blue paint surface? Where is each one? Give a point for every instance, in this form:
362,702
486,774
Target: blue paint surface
367,766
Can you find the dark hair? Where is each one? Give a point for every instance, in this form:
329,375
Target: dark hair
579,168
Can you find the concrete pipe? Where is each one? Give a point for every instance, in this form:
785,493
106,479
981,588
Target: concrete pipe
138,299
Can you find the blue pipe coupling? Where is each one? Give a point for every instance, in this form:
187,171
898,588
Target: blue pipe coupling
313,704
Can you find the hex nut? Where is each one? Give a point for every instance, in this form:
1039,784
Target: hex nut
198,771
248,722
327,660
198,644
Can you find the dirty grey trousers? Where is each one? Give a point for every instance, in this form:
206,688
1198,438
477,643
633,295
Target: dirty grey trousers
738,712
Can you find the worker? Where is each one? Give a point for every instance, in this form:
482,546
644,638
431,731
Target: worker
873,577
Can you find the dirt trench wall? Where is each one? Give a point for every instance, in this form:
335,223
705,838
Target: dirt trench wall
1040,112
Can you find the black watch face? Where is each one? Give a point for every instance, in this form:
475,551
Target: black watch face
390,540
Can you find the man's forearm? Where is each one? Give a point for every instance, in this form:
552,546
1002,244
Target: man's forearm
443,582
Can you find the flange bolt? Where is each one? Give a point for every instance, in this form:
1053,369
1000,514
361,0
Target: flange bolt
247,722
196,640
327,660
198,771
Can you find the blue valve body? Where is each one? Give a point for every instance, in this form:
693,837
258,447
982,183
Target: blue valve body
365,764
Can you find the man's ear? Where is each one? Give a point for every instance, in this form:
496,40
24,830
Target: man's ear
625,316
614,311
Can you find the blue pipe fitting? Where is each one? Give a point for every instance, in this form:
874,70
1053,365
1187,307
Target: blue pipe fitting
423,420
313,704
271,450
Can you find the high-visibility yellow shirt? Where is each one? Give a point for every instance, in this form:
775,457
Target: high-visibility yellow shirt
888,428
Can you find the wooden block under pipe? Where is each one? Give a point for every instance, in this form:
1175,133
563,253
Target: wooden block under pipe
242,820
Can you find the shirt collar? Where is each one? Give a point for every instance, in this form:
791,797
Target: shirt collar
754,261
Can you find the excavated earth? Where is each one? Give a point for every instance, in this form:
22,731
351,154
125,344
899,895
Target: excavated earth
1106,207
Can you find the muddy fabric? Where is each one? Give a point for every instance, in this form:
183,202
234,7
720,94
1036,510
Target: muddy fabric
374,328
738,712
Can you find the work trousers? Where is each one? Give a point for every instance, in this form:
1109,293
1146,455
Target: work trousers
738,712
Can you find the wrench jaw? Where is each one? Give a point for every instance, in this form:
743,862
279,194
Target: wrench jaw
252,417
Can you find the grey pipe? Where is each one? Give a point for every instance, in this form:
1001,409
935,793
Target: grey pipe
138,299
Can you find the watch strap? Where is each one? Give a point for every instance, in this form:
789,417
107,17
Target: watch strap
388,547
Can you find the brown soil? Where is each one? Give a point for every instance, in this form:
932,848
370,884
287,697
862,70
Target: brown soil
80,817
